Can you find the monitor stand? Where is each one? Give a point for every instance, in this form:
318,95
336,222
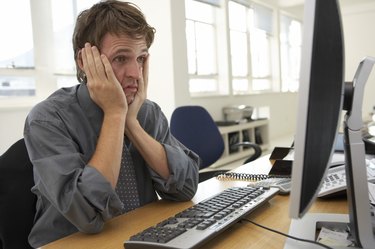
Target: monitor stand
309,227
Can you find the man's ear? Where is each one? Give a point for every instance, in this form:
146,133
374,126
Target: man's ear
79,60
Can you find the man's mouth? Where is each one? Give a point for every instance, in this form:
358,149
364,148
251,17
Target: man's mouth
130,89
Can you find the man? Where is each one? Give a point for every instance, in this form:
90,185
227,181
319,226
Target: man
90,143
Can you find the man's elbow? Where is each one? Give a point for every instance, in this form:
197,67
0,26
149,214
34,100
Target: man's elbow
91,228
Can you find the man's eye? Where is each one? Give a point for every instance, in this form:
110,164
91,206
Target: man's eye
141,59
120,59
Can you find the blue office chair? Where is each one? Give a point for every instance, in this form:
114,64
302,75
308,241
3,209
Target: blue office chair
17,202
194,127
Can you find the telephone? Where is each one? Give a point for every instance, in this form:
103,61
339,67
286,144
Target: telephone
335,182
368,140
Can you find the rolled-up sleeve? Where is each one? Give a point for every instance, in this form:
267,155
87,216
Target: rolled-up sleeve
62,177
183,180
183,163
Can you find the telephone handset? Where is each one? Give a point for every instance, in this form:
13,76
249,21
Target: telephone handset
369,142
335,182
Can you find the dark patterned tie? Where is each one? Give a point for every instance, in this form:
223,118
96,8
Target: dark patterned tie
126,187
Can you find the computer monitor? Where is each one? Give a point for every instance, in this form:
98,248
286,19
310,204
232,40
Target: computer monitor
323,95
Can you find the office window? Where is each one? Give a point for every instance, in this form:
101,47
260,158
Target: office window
290,52
201,47
261,35
17,64
251,34
64,14
16,49
16,86
16,44
239,46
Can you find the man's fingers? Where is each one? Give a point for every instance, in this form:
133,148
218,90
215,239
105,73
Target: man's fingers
86,64
99,67
144,76
108,69
92,63
145,70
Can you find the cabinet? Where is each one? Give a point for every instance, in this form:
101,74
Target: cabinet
255,131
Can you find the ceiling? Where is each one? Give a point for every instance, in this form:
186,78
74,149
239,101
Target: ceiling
296,6
295,3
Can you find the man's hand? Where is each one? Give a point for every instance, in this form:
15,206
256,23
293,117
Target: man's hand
104,88
139,97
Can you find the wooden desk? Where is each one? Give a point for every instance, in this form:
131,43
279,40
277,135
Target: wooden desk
275,215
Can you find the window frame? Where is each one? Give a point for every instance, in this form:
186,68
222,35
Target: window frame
44,69
272,76
285,87
225,74
215,76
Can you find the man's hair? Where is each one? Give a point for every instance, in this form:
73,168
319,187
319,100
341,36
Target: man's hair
111,16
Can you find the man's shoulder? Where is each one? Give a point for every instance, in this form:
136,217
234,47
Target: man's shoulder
58,100
150,110
150,113
150,105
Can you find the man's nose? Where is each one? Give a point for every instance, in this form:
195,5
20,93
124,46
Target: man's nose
134,70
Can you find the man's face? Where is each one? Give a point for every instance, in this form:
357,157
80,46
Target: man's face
127,57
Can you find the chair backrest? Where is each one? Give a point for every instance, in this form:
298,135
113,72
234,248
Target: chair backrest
194,127
17,202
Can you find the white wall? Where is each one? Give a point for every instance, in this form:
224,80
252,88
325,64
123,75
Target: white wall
359,43
12,121
168,71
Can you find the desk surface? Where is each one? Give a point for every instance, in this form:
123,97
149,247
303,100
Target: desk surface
275,215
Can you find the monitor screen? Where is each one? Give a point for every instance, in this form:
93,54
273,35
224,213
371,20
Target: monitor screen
320,100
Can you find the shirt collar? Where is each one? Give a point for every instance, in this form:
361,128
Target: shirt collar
93,112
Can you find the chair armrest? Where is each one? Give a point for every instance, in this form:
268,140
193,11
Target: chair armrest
256,147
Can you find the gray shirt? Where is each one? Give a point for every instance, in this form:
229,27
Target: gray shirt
61,134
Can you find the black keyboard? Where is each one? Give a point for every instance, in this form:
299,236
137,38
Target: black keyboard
198,224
